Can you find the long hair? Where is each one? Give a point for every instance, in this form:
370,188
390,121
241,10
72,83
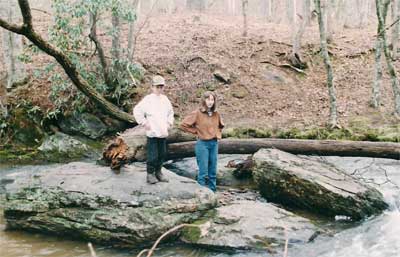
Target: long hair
206,95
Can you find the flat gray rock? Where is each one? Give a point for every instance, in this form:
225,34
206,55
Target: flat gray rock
91,202
252,225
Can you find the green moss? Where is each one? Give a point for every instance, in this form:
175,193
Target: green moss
192,234
361,133
247,133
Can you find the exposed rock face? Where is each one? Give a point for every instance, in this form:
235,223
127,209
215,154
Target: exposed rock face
252,225
85,124
313,185
64,145
92,203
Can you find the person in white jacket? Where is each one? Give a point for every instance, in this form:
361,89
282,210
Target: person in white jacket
155,113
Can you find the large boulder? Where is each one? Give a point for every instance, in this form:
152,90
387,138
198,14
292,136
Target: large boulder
313,185
245,225
91,202
60,146
85,124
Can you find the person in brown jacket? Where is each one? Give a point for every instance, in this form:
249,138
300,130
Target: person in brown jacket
207,125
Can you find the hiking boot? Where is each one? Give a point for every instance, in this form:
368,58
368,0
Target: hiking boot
151,178
161,177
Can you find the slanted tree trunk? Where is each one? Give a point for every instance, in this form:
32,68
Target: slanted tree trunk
324,49
299,25
381,11
12,46
82,85
99,47
245,5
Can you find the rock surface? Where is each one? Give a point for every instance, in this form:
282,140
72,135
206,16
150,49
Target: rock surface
91,202
252,225
313,185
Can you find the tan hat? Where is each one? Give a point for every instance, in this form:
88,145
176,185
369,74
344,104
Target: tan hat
158,80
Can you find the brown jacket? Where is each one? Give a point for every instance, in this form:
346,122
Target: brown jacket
204,126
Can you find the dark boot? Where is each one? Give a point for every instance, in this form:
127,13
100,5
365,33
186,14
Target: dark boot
161,177
151,178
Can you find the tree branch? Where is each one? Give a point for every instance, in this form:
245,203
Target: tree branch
99,47
11,27
26,13
69,68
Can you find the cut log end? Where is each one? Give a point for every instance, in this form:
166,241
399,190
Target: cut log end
115,154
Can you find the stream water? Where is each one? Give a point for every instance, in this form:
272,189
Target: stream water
375,237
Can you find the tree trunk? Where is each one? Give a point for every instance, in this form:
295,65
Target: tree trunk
340,14
130,147
269,10
115,43
329,7
12,47
396,28
376,94
324,49
134,6
299,25
381,13
99,47
295,146
245,4
27,30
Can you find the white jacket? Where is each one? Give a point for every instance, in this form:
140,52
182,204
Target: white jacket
157,111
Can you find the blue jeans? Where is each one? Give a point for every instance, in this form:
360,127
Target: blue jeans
207,156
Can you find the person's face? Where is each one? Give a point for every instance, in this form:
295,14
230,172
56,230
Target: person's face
210,101
159,89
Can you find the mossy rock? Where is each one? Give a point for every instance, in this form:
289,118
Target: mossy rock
26,130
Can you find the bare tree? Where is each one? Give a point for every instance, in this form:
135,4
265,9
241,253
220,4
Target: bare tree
99,47
12,46
135,5
29,32
116,31
329,7
381,11
245,5
324,49
376,93
299,24
396,27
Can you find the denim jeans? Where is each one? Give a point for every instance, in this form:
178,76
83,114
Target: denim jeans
156,153
207,156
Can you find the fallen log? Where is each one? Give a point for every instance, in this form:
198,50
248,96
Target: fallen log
181,145
295,146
